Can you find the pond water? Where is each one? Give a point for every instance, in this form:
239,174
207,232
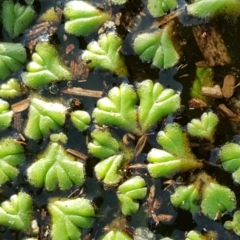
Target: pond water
135,18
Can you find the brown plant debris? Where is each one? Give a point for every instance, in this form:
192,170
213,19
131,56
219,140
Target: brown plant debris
163,218
228,85
83,92
226,111
140,145
167,18
17,121
214,92
78,69
196,103
69,48
77,154
211,45
20,106
128,138
39,30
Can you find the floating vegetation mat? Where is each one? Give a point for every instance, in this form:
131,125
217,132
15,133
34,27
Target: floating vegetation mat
119,119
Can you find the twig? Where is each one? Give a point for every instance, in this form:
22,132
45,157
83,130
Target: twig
82,92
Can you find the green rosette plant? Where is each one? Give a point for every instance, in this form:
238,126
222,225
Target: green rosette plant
187,197
109,170
158,8
45,67
12,58
234,224
131,190
156,102
194,235
16,17
43,117
17,212
83,18
80,119
216,200
114,155
118,2
206,194
54,166
119,108
157,47
11,155
69,216
5,115
205,8
115,234
176,155
204,127
103,144
229,155
11,89
204,78
105,54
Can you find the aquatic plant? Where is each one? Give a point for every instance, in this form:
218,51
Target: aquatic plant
234,224
205,8
5,115
133,189
215,199
45,67
204,78
119,181
11,155
157,47
55,167
118,109
43,117
16,17
17,212
158,8
105,54
12,58
11,89
195,235
69,216
203,127
115,234
113,154
229,155
80,119
83,18
176,155
119,1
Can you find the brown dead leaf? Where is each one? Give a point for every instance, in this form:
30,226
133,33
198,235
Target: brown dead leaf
140,145
228,85
83,92
69,48
77,154
39,30
17,121
127,138
20,106
162,218
78,69
214,92
196,103
226,111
